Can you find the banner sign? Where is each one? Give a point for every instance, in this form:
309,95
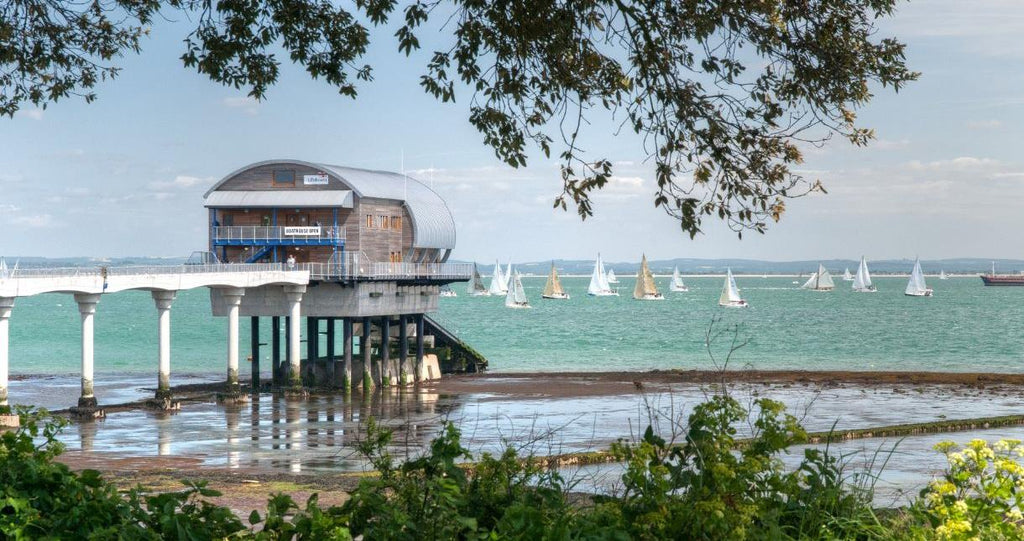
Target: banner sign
302,231
318,179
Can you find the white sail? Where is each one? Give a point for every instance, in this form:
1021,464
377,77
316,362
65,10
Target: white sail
610,277
677,282
847,277
916,286
599,280
820,281
730,293
4,273
862,282
508,275
476,284
942,275
516,296
498,281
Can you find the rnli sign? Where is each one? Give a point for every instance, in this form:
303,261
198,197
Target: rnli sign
302,231
315,180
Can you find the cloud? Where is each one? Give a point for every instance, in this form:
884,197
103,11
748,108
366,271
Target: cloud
962,164
34,221
181,182
625,184
984,124
34,114
248,104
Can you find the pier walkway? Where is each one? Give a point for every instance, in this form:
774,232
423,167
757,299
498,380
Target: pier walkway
231,281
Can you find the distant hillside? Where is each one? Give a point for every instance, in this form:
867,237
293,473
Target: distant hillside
753,266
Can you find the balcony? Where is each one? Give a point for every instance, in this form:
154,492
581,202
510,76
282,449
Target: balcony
278,235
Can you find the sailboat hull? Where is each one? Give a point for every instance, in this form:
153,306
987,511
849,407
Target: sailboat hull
604,294
558,296
925,293
678,289
734,304
871,289
654,297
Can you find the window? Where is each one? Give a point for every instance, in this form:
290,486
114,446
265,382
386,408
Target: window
395,257
385,224
396,222
284,177
369,221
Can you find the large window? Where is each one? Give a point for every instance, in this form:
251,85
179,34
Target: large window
284,177
369,221
396,222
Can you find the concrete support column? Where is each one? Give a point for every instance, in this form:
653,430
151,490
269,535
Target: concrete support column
232,298
312,341
330,352
385,351
419,345
87,307
294,296
364,348
275,349
254,348
163,300
403,347
6,305
347,354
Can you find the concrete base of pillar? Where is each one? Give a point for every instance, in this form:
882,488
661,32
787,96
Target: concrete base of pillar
87,402
9,421
163,403
232,396
88,412
430,369
293,392
162,394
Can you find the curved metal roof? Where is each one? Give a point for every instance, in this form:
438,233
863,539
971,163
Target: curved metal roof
432,221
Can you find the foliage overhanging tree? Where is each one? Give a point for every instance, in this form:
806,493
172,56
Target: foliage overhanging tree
723,93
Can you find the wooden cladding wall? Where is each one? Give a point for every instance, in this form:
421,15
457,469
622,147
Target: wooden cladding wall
378,238
262,178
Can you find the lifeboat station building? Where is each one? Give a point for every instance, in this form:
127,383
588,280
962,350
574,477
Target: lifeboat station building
376,245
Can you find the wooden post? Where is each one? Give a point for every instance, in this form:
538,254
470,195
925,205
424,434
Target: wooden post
330,352
419,346
403,348
364,348
385,351
346,328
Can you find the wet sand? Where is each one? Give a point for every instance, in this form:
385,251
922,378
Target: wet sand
304,445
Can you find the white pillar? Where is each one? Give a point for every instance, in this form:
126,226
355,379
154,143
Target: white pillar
294,296
163,300
232,298
87,307
6,304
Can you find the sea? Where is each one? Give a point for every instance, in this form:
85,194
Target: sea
964,327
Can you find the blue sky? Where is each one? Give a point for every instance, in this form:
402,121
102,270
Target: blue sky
945,178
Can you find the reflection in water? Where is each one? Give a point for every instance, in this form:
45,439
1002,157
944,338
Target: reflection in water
87,433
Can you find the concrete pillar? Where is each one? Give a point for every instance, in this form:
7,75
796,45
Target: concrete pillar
163,300
403,347
294,296
419,345
87,307
385,351
312,341
6,305
287,347
364,347
254,348
330,352
275,349
233,298
346,354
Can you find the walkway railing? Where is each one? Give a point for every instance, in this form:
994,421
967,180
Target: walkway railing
279,233
348,266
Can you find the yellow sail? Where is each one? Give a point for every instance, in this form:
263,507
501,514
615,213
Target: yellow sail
553,285
645,287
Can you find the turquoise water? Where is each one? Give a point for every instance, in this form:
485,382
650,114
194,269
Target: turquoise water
964,327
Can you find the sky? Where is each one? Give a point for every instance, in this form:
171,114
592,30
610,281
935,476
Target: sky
124,175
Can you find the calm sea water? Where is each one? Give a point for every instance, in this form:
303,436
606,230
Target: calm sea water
964,327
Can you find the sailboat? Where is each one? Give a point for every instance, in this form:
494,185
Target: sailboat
847,277
447,291
553,287
499,284
599,281
942,275
611,277
508,275
677,282
4,273
516,296
820,281
645,289
916,286
476,285
730,293
862,283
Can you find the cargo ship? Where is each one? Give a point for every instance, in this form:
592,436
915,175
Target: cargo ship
994,279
